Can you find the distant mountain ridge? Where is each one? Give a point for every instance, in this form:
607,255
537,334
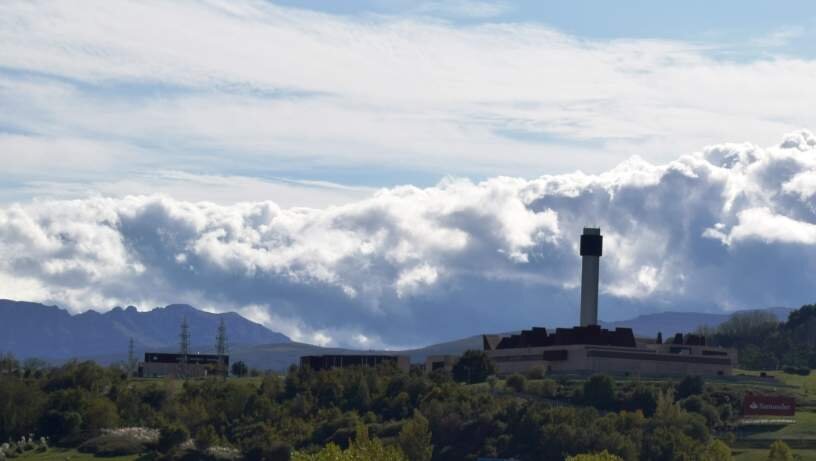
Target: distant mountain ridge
48,332
670,323
280,356
36,330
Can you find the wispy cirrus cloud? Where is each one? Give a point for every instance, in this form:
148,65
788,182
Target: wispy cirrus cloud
465,8
248,85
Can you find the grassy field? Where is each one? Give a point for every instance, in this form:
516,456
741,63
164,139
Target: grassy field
804,387
803,428
762,455
57,454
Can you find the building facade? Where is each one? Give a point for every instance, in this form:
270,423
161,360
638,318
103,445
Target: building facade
596,350
327,362
171,365
440,362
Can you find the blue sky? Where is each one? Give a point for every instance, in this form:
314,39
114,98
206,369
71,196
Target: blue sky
591,18
369,94
371,173
789,25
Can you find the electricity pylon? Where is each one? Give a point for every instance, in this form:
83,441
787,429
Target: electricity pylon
184,346
221,347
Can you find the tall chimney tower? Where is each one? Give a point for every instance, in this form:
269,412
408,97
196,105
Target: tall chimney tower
591,250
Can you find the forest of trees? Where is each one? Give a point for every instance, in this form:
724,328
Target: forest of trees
385,411
764,343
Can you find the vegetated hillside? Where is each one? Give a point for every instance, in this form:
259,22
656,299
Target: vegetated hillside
670,323
35,330
429,417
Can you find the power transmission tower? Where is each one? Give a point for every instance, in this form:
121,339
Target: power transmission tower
221,347
184,345
131,358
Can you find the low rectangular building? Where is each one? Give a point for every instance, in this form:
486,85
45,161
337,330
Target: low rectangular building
440,362
327,362
172,365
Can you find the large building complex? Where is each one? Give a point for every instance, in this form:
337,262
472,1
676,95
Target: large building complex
589,348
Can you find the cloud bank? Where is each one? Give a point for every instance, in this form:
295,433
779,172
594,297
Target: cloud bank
730,227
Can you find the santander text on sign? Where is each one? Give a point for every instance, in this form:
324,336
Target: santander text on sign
754,404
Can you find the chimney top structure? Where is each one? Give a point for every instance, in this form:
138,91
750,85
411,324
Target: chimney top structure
591,251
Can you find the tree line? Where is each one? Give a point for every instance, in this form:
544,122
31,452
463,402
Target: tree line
765,343
365,413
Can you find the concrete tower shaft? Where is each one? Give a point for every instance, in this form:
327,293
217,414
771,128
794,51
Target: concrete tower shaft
591,251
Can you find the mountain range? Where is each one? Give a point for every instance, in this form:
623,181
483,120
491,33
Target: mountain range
48,332
669,323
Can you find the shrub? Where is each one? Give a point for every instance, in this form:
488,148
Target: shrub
696,404
644,399
206,437
239,369
113,445
690,385
100,413
602,456
546,388
61,424
415,438
517,382
473,367
492,382
780,451
277,451
718,451
804,371
363,448
550,387
599,391
171,437
265,445
223,453
537,372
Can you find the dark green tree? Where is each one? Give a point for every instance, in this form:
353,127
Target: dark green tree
643,398
171,437
516,382
415,438
473,367
690,385
265,445
239,369
599,391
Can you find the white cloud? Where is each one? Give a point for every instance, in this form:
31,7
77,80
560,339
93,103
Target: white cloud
780,37
763,224
413,279
714,229
464,8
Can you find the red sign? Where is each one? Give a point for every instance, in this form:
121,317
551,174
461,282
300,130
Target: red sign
768,405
